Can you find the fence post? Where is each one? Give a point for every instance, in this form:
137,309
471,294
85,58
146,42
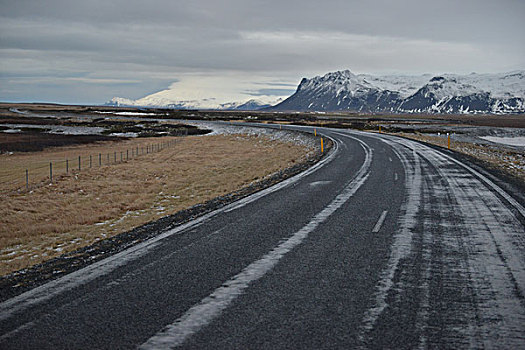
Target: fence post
114,157
79,162
50,172
121,157
100,159
27,179
127,154
67,166
90,163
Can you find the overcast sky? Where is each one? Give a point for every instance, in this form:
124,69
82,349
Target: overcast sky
71,51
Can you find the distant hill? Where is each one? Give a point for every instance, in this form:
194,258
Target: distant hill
155,101
448,93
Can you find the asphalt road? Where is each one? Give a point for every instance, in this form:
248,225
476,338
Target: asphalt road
386,243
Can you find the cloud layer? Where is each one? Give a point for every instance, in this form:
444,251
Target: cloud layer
89,51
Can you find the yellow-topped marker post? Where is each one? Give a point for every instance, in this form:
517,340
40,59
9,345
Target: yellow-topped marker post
322,148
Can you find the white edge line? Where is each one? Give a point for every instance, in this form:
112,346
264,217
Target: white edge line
107,265
242,202
482,177
498,189
209,308
377,227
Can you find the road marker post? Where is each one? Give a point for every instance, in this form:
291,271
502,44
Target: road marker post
50,172
379,128
315,132
322,147
448,137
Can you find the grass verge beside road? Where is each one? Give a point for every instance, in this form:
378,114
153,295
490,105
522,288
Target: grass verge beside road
83,207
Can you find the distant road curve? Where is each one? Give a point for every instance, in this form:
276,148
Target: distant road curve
385,243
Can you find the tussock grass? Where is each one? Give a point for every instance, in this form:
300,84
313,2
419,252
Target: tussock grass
83,207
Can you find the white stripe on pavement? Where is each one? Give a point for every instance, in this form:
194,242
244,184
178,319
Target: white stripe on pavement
377,227
212,306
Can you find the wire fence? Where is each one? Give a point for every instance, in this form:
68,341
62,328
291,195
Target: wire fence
26,175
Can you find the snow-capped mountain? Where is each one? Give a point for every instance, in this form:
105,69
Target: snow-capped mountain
153,101
250,105
449,93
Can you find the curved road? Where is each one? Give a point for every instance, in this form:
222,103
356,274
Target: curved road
386,243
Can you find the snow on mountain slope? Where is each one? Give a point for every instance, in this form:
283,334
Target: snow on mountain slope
211,92
211,103
449,93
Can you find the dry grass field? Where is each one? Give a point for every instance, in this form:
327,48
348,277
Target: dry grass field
84,206
14,165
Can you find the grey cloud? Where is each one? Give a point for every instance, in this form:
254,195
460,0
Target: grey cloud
270,92
445,19
156,41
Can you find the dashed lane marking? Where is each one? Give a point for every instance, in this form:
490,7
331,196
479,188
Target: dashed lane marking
379,223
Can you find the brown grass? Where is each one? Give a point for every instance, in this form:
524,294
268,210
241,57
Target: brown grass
83,207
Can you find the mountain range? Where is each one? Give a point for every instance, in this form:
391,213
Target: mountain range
448,93
345,91
152,101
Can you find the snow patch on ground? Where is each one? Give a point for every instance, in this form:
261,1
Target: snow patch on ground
126,113
223,128
511,141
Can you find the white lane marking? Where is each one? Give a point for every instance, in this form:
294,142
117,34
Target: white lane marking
495,267
483,178
319,183
377,227
243,202
49,290
15,332
402,242
211,307
105,266
395,176
403,142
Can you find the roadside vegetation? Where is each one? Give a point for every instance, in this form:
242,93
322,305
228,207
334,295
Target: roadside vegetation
82,207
